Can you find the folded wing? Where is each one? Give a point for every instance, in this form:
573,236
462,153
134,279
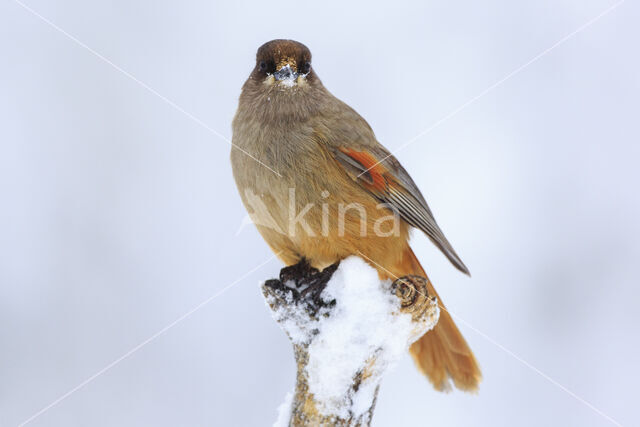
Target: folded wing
385,178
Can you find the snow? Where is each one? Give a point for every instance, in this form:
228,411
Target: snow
294,320
361,324
291,78
289,81
365,321
284,411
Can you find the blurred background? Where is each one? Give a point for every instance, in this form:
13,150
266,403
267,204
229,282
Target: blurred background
119,213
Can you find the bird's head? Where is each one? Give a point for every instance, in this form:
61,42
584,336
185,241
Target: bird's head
283,64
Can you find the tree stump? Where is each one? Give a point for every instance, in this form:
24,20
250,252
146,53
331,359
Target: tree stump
347,329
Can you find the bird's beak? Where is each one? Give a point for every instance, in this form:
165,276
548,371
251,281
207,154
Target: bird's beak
286,73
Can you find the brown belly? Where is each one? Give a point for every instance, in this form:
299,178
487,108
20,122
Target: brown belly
335,228
319,213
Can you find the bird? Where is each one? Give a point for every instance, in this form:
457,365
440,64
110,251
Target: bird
320,188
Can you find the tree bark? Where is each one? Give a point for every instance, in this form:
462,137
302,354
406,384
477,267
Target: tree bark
300,307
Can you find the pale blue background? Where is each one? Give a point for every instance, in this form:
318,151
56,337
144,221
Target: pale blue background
119,213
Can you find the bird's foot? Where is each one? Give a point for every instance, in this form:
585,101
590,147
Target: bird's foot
302,285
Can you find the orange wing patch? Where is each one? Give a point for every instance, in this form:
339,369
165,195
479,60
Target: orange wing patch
373,170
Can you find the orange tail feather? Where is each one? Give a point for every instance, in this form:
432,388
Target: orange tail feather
442,353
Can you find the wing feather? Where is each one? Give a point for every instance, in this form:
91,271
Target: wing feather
390,183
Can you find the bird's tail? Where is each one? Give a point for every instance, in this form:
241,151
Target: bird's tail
442,353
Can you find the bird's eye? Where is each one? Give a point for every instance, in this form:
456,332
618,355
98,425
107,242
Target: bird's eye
306,67
263,66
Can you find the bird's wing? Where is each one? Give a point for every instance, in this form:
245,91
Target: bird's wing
377,171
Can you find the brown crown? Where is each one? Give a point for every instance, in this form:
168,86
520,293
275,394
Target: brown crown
281,52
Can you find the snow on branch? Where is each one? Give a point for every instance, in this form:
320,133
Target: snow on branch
347,328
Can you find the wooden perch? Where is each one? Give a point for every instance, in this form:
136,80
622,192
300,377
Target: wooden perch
347,327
